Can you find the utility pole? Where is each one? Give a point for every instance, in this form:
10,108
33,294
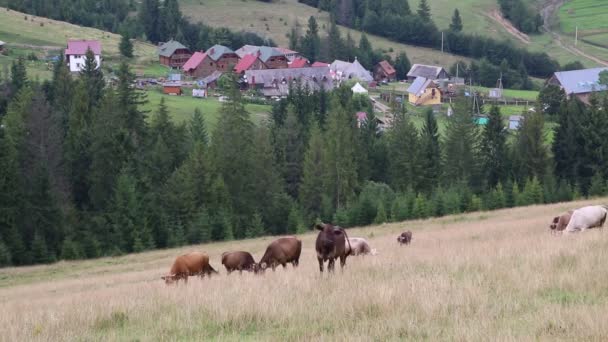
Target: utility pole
441,42
576,36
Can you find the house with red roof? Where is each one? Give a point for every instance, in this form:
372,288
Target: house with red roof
384,71
217,58
249,62
299,63
75,54
318,64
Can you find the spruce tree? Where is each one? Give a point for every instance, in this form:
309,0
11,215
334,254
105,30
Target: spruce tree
170,20
125,212
256,227
531,155
313,170
381,216
92,78
5,254
77,147
40,253
494,149
430,153
130,101
290,140
404,149
456,25
311,43
149,19
18,75
198,128
597,186
402,65
567,145
125,46
335,42
424,10
461,148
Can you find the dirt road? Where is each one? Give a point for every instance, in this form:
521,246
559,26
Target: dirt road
507,25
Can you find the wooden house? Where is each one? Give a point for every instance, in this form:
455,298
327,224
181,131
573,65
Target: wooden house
217,58
172,88
384,71
430,72
424,92
579,83
249,62
173,54
271,57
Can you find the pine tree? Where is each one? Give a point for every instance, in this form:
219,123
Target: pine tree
256,228
311,188
170,20
40,252
424,11
456,25
290,140
597,186
71,250
567,145
125,212
130,101
294,220
149,19
494,149
92,78
5,254
335,42
430,153
419,209
18,76
226,224
365,52
403,147
311,43
125,46
198,128
381,216
531,154
402,65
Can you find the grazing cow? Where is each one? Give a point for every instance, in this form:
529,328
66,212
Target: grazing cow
358,246
331,244
239,261
586,217
280,252
190,264
405,238
560,222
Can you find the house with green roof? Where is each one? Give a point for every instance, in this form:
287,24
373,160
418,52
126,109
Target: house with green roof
173,54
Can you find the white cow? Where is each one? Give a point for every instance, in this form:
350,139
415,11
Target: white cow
586,217
359,246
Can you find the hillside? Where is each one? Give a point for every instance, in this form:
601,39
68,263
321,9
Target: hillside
481,276
274,20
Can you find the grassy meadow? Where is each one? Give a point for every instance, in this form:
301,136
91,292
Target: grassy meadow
483,276
588,15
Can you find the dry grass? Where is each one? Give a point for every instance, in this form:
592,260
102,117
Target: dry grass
477,277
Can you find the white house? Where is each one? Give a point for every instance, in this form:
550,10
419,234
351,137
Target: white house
75,54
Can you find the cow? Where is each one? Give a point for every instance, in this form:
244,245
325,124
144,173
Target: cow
560,222
586,217
331,244
359,246
190,264
405,238
280,252
239,261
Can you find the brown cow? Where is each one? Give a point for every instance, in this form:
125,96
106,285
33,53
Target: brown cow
239,261
560,222
405,238
330,245
280,252
190,264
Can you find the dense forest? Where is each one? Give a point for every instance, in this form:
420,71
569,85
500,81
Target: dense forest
152,20
86,173
397,21
524,17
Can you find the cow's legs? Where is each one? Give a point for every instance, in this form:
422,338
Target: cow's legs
342,261
330,265
320,264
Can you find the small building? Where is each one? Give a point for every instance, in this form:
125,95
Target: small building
210,82
384,71
276,82
424,92
217,58
173,54
319,64
172,88
515,121
249,62
2,44
429,72
290,54
75,54
580,83
342,70
272,58
358,89
299,63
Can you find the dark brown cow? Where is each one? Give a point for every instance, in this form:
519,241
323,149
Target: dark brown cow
280,252
190,264
239,261
405,238
330,245
560,222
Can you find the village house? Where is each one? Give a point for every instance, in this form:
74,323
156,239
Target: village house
173,54
271,57
249,62
384,71
580,83
424,92
342,70
217,58
75,54
319,64
276,82
299,63
172,88
290,54
429,72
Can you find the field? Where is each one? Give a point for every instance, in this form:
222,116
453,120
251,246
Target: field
483,276
181,108
586,14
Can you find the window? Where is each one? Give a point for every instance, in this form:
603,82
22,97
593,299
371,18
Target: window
78,65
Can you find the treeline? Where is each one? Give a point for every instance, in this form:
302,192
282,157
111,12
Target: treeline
85,172
487,74
156,21
318,47
524,17
395,20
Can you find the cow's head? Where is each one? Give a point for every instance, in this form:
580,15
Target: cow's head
329,229
169,279
553,225
257,268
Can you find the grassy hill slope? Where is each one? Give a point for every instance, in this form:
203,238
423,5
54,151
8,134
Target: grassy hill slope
481,276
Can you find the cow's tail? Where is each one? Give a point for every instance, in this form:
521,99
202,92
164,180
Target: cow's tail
350,248
603,220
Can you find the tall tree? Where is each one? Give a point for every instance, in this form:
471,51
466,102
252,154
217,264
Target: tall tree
402,65
335,42
311,43
311,189
424,10
149,19
531,155
125,46
92,78
18,75
170,20
494,149
567,144
456,25
198,128
404,147
430,153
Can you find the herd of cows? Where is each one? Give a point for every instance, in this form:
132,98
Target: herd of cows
332,243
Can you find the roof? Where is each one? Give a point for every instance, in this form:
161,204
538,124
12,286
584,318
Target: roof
426,71
419,86
194,61
212,78
361,116
319,64
314,78
245,63
2,43
168,49
516,117
217,51
358,89
387,67
286,51
172,84
80,47
263,52
581,81
351,70
299,63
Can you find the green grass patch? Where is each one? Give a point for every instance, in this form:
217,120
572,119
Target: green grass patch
566,297
586,14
